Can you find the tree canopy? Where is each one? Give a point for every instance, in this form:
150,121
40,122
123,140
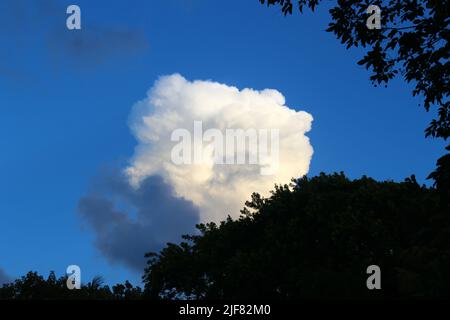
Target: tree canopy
33,286
315,238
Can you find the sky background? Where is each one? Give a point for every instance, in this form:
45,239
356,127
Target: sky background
65,99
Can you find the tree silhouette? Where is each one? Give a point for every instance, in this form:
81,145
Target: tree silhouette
314,238
33,286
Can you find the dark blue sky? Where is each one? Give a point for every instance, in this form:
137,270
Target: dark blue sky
65,99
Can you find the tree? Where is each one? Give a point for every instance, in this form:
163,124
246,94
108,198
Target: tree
33,286
413,42
314,238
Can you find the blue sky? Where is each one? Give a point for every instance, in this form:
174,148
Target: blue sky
64,105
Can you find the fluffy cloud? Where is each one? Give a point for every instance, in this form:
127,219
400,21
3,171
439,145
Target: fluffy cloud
217,189
155,200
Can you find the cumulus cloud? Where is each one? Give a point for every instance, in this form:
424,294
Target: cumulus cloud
130,222
217,189
154,200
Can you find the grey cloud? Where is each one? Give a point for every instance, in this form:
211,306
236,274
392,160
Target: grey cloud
129,222
95,45
4,278
45,20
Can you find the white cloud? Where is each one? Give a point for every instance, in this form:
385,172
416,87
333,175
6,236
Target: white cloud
218,190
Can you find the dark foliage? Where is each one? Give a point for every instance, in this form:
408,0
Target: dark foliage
34,286
413,42
315,239
441,176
